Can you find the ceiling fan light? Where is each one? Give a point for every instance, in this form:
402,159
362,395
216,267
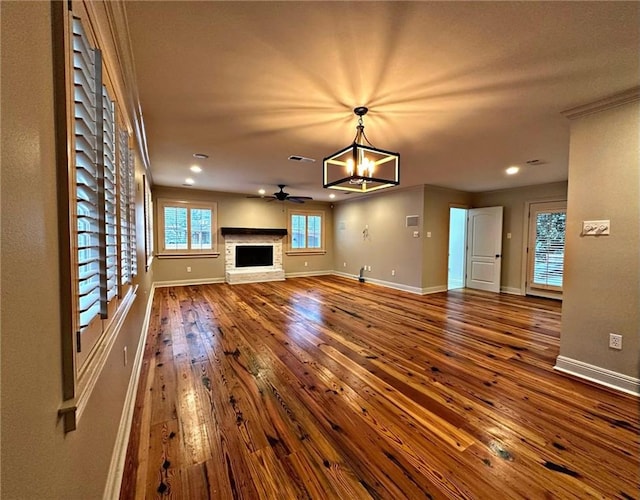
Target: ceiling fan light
353,168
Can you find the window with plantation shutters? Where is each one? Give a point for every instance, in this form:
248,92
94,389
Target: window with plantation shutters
95,158
86,134
186,227
546,246
306,232
104,202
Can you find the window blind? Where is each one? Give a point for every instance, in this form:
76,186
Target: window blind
549,249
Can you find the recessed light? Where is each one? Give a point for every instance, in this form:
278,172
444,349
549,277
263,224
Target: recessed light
512,170
261,191
195,168
332,196
200,156
189,181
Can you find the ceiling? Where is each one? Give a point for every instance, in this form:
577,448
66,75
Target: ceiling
461,89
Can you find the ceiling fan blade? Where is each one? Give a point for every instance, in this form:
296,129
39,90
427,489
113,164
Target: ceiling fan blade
294,199
266,197
302,197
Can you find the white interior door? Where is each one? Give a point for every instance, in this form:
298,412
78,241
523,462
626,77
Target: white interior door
484,250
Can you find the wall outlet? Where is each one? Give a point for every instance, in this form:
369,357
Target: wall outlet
344,264
306,263
393,272
369,268
188,269
428,234
615,341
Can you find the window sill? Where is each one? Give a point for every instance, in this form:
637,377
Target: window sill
178,255
306,252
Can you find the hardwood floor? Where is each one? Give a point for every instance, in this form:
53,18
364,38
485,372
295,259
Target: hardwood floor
328,388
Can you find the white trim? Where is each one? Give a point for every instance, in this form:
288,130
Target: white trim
204,281
395,286
511,290
602,376
119,455
524,263
307,274
90,372
609,102
433,289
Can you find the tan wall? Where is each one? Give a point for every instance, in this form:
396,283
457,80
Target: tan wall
238,211
389,244
513,201
37,459
435,256
602,277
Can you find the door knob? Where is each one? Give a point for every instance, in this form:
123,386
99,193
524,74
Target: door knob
497,256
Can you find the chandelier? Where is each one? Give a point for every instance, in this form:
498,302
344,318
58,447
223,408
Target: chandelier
360,167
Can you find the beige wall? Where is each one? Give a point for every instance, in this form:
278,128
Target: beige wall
602,278
239,211
435,255
37,459
372,231
514,201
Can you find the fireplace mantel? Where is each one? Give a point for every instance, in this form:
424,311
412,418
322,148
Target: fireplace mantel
266,231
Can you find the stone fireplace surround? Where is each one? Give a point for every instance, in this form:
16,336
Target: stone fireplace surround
236,236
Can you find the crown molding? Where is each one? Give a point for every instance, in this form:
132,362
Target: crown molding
609,102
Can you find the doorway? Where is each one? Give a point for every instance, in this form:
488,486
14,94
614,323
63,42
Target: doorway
457,247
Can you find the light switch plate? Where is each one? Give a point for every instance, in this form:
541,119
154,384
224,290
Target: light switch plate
596,227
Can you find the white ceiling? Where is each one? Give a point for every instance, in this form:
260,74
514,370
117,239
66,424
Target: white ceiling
461,89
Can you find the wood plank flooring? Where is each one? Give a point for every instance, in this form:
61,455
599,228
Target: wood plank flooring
327,388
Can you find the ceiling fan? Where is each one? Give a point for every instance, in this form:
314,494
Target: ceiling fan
282,196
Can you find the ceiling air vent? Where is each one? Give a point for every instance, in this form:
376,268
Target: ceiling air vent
535,162
301,158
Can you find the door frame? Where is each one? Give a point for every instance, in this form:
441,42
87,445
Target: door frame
464,246
525,238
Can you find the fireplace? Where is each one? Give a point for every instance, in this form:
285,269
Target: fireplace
253,255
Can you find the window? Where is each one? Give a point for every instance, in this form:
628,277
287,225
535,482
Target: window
104,209
187,227
306,232
98,250
546,246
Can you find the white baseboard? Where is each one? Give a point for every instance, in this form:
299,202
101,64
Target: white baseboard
511,290
433,289
119,455
602,376
306,274
389,284
204,281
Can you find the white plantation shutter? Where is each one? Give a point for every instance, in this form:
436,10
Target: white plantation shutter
111,241
86,175
132,215
123,185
